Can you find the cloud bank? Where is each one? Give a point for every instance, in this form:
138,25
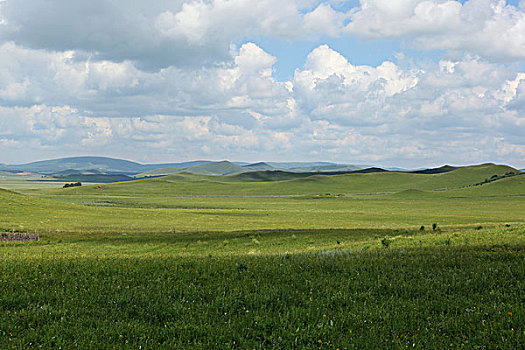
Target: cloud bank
164,81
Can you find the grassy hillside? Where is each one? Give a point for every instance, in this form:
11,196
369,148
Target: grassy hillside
215,168
510,186
318,184
81,163
258,167
187,202
162,171
264,176
93,178
210,168
327,168
291,165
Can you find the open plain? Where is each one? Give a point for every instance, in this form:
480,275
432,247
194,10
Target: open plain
268,260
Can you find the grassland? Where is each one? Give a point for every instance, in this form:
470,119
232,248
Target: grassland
237,261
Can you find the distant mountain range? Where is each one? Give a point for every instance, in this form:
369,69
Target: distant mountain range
91,165
104,169
72,166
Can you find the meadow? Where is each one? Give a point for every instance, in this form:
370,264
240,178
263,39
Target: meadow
382,260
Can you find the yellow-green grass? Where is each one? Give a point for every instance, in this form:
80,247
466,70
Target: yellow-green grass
143,214
30,184
163,205
158,264
385,182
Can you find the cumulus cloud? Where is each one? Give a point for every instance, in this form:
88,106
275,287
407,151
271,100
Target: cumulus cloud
164,78
329,87
204,22
121,89
162,33
331,109
489,28
466,104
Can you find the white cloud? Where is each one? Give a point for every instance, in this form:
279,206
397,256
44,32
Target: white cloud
63,102
3,20
490,28
162,33
332,88
324,20
208,22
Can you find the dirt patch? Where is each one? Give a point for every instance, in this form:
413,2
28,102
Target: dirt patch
18,237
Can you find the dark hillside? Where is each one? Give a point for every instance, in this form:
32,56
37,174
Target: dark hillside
263,176
443,169
94,178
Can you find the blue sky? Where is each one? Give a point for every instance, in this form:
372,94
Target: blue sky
291,53
408,83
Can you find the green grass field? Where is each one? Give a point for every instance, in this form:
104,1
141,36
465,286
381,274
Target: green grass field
243,262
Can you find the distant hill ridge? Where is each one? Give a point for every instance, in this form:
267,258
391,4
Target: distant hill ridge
88,165
482,179
91,164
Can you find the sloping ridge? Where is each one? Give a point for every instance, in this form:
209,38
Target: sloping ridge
280,175
327,168
101,164
266,176
440,170
261,166
369,170
81,163
216,168
372,180
475,175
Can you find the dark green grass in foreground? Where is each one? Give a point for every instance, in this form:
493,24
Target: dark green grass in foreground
438,297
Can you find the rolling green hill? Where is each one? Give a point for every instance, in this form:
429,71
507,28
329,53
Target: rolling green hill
192,202
258,167
229,168
216,168
212,168
326,168
93,178
264,176
81,163
354,183
509,186
292,165
161,172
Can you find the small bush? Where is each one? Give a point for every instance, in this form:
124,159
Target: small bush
75,184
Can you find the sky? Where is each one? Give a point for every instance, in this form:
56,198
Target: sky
405,83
